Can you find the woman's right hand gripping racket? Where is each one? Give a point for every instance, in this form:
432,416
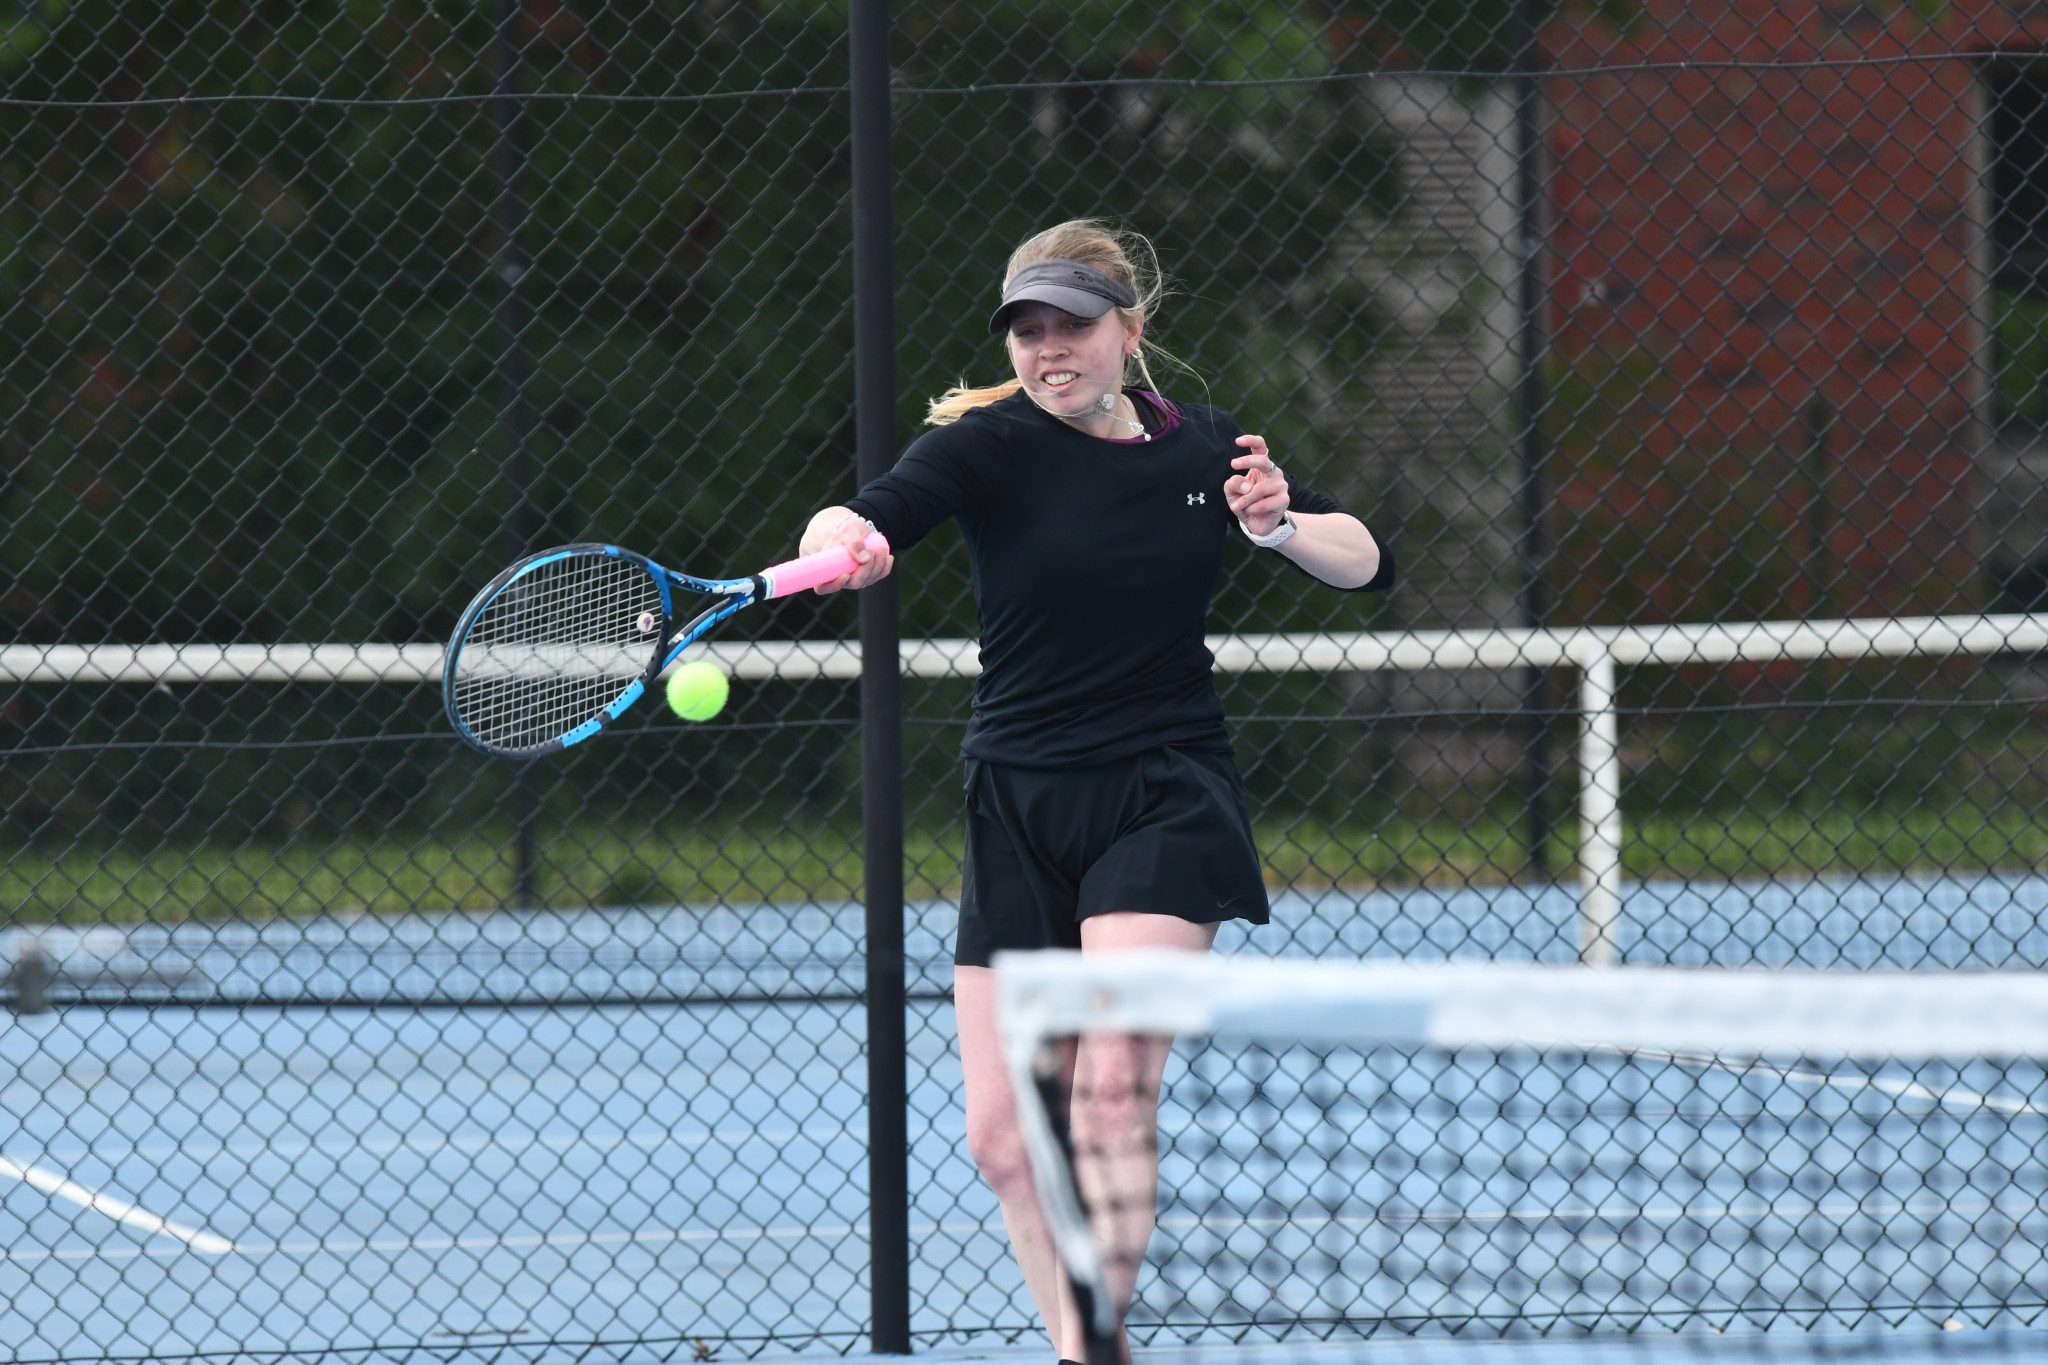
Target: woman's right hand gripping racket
556,647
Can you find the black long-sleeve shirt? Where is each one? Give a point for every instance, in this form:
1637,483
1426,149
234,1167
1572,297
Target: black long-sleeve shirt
1094,563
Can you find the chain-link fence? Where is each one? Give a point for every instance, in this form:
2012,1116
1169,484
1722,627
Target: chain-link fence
1626,327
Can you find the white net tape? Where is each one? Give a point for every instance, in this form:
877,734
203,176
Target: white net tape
1892,1014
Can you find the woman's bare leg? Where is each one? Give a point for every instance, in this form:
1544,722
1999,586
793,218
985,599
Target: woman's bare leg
1130,1071
1115,1110
998,1150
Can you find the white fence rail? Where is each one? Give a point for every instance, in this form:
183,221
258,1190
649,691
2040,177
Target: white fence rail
1594,652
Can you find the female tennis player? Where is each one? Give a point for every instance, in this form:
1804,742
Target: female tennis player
1104,810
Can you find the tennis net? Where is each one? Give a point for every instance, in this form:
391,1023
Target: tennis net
1494,1151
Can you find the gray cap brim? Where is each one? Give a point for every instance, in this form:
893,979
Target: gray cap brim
1079,302
1067,285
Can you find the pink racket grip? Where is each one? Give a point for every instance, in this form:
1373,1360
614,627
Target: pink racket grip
799,574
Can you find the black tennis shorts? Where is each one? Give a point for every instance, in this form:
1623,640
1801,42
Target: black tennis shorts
1164,833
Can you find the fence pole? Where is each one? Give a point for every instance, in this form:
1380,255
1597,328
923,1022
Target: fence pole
1528,85
513,372
1599,810
874,367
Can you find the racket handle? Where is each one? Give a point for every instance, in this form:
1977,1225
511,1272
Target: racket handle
798,574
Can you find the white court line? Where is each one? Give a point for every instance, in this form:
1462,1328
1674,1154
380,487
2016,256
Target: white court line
485,1243
1670,1214
654,1139
643,1139
117,1209
1911,1090
704,1236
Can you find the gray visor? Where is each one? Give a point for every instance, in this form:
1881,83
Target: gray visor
1067,285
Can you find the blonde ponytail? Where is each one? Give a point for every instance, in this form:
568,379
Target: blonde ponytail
961,399
1120,253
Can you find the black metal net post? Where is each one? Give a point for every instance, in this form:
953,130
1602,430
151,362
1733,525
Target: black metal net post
881,691
514,368
1530,548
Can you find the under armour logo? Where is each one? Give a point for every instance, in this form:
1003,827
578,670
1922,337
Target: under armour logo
1195,498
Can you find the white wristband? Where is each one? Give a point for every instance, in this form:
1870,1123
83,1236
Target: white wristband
1274,538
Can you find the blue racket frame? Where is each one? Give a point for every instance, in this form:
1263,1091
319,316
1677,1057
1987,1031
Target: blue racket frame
732,594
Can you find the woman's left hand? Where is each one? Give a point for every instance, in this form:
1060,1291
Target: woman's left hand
1257,496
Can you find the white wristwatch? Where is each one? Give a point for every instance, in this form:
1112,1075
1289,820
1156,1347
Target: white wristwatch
1274,538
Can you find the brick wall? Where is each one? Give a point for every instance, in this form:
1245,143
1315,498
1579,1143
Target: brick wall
1766,315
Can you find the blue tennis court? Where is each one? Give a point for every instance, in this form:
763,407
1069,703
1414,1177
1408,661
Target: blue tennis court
192,1178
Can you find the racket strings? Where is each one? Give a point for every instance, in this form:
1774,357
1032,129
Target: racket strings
555,647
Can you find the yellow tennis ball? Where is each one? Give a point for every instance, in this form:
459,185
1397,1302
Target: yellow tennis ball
697,690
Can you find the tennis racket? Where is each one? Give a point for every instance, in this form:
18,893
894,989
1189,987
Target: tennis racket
556,647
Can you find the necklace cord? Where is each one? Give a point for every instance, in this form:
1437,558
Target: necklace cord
1108,410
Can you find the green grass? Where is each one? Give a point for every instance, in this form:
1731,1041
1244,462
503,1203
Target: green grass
1703,846
605,866
1839,842
594,866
